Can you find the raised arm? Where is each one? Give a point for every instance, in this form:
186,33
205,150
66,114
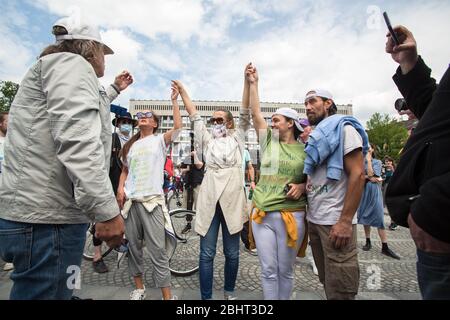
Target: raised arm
202,136
251,75
188,104
177,123
413,77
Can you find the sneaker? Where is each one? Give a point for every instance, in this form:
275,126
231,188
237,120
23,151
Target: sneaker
229,296
388,252
173,298
100,266
253,252
367,246
393,226
8,267
187,228
138,294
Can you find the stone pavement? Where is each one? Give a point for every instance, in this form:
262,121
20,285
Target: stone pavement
381,277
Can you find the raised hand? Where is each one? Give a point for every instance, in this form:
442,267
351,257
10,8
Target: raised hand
178,85
251,74
123,80
175,93
406,53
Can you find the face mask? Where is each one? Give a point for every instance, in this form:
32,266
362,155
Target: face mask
126,128
219,131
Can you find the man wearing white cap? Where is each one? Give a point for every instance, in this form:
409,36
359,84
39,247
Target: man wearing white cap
55,175
335,168
278,216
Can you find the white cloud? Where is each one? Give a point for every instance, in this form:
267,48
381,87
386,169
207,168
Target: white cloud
296,45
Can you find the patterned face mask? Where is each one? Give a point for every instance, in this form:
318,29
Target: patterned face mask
219,131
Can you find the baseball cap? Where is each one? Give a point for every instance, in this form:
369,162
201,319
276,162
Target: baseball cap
80,30
319,93
323,94
291,114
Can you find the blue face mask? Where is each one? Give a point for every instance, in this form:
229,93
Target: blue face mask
126,128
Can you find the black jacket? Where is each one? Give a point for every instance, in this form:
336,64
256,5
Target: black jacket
421,181
115,168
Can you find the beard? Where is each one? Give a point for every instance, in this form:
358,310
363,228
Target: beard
314,119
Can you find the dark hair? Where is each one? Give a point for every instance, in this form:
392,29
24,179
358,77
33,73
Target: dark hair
88,49
127,146
2,116
333,109
229,115
297,132
374,153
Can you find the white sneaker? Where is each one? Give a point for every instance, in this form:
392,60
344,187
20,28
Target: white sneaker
229,296
138,294
8,266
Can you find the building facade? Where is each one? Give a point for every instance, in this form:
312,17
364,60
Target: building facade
181,146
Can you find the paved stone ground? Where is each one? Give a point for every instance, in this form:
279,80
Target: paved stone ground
398,277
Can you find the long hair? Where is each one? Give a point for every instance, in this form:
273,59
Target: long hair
88,49
127,146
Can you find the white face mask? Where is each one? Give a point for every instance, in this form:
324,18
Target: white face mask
219,131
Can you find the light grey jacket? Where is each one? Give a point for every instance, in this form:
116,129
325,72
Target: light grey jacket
58,146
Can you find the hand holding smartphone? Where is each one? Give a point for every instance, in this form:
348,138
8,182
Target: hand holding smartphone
391,30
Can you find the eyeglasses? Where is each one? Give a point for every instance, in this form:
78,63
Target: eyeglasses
142,115
216,120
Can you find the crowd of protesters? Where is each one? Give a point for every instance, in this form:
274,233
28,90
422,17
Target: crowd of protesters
61,169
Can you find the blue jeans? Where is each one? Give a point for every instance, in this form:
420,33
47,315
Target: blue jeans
208,245
46,258
433,275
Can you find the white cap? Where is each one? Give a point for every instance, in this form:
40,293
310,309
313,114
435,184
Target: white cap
319,93
291,114
80,30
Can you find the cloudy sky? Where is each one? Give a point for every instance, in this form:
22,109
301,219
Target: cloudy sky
296,45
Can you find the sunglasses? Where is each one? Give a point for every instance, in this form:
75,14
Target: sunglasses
142,115
216,120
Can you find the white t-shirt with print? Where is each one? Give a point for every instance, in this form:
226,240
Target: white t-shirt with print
326,196
145,162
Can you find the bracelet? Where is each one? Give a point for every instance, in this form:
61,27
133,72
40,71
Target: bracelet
115,88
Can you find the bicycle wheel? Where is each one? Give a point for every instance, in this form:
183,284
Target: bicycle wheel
175,201
184,261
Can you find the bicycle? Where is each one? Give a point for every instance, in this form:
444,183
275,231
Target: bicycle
174,196
184,260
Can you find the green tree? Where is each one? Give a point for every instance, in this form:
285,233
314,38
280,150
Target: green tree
8,90
387,134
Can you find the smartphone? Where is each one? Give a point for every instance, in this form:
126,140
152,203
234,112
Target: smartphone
391,30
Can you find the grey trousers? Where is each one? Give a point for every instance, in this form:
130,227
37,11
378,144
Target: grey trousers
141,226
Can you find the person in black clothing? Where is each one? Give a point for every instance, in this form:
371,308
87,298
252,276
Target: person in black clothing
192,177
418,195
124,125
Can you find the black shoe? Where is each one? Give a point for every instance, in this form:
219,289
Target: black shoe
393,227
367,246
388,252
187,228
100,266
